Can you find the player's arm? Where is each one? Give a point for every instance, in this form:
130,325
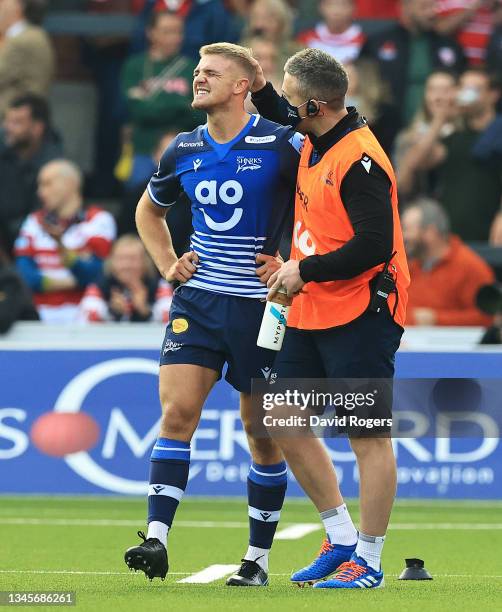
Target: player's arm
269,103
162,191
367,200
153,231
283,216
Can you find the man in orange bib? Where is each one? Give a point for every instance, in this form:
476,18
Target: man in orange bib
348,275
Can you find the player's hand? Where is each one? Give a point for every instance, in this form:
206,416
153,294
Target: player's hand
288,277
270,265
259,81
496,231
184,268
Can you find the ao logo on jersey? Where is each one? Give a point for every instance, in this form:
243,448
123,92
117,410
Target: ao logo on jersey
229,192
303,241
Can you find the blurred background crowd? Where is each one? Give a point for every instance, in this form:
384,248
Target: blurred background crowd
92,92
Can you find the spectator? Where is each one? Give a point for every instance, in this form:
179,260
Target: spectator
273,21
436,119
470,22
158,87
446,274
179,219
468,175
133,192
206,21
104,55
337,34
267,54
26,54
370,95
130,289
61,248
409,51
16,303
382,9
29,142
494,52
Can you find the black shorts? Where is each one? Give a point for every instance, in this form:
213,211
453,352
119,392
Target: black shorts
363,349
210,329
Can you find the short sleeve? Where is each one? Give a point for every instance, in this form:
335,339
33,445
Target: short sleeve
164,186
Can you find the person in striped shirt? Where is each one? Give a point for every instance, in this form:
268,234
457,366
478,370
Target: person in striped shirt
471,22
239,174
337,34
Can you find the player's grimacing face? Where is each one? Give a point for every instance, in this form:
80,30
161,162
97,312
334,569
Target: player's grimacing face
216,80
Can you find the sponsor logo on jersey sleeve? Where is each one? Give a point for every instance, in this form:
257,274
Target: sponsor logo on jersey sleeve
260,139
184,145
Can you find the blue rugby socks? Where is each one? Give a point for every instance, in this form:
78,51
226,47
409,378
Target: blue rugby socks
266,491
169,465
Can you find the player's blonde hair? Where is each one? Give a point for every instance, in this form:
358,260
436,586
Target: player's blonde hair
242,56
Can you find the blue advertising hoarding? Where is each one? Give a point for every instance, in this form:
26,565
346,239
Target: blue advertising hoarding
118,389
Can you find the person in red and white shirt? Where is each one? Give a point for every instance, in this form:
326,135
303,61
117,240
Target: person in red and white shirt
338,35
377,9
61,247
471,22
130,289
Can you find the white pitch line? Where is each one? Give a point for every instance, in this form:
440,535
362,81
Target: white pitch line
62,522
115,522
209,574
295,532
79,572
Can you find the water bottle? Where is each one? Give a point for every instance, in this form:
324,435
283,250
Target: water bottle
273,325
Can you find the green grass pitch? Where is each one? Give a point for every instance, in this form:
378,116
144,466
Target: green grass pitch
63,543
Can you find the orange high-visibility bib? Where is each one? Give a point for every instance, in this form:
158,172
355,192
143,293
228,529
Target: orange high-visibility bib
322,225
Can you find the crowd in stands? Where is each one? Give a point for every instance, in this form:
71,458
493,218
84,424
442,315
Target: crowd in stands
425,73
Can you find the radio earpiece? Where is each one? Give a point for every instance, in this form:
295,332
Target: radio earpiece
313,108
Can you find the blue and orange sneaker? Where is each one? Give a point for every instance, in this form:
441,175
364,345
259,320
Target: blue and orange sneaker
354,574
330,557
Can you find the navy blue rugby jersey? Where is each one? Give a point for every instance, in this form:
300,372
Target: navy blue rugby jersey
240,194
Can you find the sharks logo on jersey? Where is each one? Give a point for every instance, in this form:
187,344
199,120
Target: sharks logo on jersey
240,194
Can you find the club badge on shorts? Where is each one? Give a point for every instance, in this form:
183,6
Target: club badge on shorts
179,326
